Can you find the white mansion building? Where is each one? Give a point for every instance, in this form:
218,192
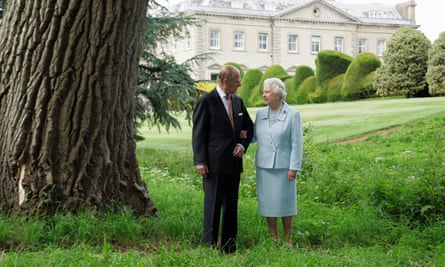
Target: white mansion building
260,33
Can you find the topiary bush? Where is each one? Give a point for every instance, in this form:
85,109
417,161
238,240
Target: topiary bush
329,64
333,89
307,87
318,96
291,92
277,71
249,81
301,73
358,83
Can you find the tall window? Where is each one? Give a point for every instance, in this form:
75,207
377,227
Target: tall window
262,42
187,43
213,76
316,44
381,47
362,45
238,41
292,43
338,43
214,39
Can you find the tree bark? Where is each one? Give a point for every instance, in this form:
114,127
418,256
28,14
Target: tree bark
68,70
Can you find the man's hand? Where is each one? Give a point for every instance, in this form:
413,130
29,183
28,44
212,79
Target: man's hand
202,169
238,151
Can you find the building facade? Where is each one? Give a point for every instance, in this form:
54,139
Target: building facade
261,33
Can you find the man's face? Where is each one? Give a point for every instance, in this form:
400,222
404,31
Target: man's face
232,85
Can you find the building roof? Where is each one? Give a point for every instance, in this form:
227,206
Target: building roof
373,13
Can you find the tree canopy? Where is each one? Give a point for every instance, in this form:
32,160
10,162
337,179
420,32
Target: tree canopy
404,64
164,85
435,75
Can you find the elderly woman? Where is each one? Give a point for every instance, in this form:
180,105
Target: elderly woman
278,132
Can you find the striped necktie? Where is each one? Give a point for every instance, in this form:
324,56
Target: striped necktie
229,107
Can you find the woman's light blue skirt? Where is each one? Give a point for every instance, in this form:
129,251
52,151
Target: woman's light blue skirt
277,196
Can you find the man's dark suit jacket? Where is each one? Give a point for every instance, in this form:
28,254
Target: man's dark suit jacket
213,138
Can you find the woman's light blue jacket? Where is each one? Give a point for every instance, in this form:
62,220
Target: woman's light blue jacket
281,145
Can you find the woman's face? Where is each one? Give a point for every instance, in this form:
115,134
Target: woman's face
269,96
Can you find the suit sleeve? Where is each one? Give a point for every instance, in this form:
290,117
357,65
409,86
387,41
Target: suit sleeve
199,132
247,126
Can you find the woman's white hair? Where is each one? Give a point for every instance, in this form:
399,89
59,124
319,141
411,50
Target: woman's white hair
277,86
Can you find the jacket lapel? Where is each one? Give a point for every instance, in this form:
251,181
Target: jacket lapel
221,108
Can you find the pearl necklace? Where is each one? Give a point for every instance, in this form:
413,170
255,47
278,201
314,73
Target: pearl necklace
274,113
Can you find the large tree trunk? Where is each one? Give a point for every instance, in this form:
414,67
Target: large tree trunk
68,70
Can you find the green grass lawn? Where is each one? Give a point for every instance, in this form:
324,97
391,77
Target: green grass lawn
379,202
329,122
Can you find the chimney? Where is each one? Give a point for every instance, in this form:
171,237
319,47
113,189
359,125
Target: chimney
408,10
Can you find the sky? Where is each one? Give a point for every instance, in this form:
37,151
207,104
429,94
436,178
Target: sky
429,14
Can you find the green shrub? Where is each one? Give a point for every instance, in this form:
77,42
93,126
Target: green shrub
249,81
318,96
291,92
329,64
307,87
435,75
359,77
301,73
275,71
334,88
405,64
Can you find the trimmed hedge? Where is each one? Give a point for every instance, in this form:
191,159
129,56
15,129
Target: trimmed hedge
334,87
329,64
291,92
277,71
307,87
358,83
301,73
249,81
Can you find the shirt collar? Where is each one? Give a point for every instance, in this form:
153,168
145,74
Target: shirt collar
220,92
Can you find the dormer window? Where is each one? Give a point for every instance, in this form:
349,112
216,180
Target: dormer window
270,6
236,4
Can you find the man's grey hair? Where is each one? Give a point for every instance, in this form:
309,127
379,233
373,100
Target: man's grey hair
277,86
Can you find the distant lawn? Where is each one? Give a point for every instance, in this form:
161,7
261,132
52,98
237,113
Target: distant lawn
329,122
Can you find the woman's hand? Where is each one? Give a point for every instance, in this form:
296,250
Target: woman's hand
291,175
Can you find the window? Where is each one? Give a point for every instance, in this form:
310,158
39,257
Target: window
262,42
292,44
236,4
381,47
214,39
269,6
187,43
362,45
238,41
316,44
213,76
172,44
338,44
